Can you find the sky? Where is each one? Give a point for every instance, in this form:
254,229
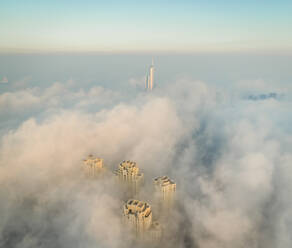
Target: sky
146,26
218,121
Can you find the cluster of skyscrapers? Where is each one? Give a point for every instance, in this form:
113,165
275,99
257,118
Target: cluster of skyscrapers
137,214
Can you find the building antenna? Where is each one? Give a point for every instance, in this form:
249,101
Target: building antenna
152,62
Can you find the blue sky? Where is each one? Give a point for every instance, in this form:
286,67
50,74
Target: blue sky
130,26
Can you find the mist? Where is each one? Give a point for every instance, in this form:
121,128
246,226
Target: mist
226,146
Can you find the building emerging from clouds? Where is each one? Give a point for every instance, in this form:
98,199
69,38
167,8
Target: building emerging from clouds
166,191
149,83
138,215
93,166
128,172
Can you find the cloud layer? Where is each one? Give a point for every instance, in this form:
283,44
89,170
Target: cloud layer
229,157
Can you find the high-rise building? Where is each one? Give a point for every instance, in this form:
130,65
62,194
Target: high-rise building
166,190
93,166
149,83
128,172
138,215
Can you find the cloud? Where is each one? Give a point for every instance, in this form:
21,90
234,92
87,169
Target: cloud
230,160
41,164
137,82
33,100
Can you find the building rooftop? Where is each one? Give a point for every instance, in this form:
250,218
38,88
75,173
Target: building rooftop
163,181
137,207
90,157
128,164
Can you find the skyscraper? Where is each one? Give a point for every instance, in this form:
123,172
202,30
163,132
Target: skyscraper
93,166
166,191
128,172
138,215
149,83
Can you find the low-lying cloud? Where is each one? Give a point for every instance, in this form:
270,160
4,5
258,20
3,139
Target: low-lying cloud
229,157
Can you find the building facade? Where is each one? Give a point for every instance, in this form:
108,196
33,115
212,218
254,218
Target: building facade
138,215
165,189
128,172
93,166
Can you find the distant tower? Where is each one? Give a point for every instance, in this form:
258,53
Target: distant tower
128,172
149,83
138,215
166,191
93,166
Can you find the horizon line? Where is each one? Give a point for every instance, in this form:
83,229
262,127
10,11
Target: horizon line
287,52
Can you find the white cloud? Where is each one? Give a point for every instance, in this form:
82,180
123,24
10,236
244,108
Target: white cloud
230,162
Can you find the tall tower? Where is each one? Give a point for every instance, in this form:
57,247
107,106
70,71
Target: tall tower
149,83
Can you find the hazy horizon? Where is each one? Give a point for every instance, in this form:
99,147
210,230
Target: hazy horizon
218,121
